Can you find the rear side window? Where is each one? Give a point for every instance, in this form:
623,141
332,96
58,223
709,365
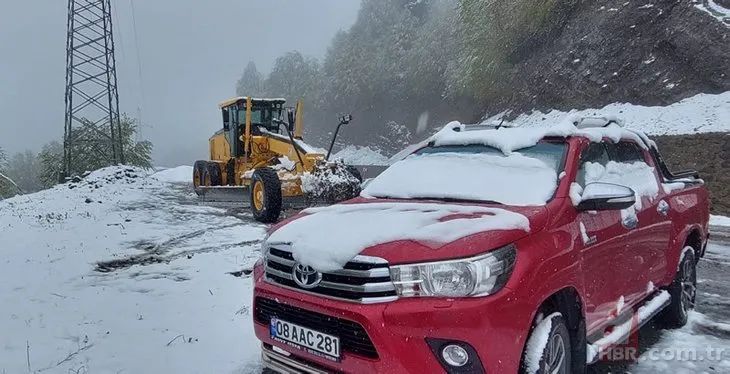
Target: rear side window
625,152
621,163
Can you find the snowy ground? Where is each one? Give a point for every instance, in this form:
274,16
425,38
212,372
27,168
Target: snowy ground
181,312
125,274
714,9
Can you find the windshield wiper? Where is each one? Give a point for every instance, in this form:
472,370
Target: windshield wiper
444,199
457,200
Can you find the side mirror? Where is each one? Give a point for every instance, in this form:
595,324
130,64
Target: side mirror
606,196
292,120
365,183
346,119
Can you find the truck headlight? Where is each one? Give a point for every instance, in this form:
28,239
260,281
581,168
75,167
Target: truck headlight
263,251
476,276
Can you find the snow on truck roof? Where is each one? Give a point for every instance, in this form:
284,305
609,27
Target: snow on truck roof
510,139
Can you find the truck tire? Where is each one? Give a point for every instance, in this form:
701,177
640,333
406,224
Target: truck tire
265,195
198,170
212,174
682,291
551,355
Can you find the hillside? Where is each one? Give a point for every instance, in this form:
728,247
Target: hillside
644,53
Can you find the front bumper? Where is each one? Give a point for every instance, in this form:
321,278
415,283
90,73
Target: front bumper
287,363
493,326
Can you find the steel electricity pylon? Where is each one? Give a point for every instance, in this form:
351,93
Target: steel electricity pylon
92,126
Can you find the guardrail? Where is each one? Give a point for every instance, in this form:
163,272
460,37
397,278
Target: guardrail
370,171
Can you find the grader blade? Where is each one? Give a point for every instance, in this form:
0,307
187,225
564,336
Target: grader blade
240,197
224,196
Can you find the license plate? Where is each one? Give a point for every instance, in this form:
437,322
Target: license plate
311,341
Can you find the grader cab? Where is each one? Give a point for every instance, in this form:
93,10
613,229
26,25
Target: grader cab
259,160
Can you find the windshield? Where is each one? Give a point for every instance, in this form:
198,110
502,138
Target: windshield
527,176
262,117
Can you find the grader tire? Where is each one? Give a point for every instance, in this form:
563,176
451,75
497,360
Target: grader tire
265,195
198,171
213,174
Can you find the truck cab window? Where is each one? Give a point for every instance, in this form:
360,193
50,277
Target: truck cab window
625,152
595,153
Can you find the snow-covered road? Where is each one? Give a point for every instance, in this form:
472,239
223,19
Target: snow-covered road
182,312
124,273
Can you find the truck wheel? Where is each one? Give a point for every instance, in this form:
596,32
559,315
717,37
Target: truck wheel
682,291
198,170
212,174
265,195
548,348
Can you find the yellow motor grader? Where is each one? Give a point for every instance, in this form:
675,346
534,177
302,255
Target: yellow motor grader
260,160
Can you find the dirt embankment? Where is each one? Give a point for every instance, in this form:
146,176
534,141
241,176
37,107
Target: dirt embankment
707,153
646,53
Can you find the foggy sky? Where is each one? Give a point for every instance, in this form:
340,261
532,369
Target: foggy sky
191,52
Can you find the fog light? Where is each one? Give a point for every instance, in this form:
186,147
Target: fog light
454,355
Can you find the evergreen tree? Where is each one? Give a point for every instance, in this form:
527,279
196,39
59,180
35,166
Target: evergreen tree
294,76
24,169
496,34
251,82
136,152
50,159
7,187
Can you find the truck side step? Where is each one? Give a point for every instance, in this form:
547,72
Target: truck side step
621,332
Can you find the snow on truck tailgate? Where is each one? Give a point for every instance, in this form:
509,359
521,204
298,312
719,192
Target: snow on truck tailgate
73,299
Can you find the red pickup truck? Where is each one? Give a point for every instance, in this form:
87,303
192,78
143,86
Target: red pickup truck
486,250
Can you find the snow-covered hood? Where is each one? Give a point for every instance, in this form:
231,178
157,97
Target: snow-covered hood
402,231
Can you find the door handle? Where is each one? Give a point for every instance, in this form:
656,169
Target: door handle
662,208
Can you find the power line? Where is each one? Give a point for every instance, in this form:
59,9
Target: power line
122,55
139,63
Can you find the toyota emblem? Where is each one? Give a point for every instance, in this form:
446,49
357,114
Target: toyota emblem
305,276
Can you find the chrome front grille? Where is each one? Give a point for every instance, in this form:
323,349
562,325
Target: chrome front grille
364,280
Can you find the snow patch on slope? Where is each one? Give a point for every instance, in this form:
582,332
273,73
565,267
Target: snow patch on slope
354,155
719,221
716,10
180,174
698,114
355,227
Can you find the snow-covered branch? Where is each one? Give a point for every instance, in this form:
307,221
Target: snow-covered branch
5,177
